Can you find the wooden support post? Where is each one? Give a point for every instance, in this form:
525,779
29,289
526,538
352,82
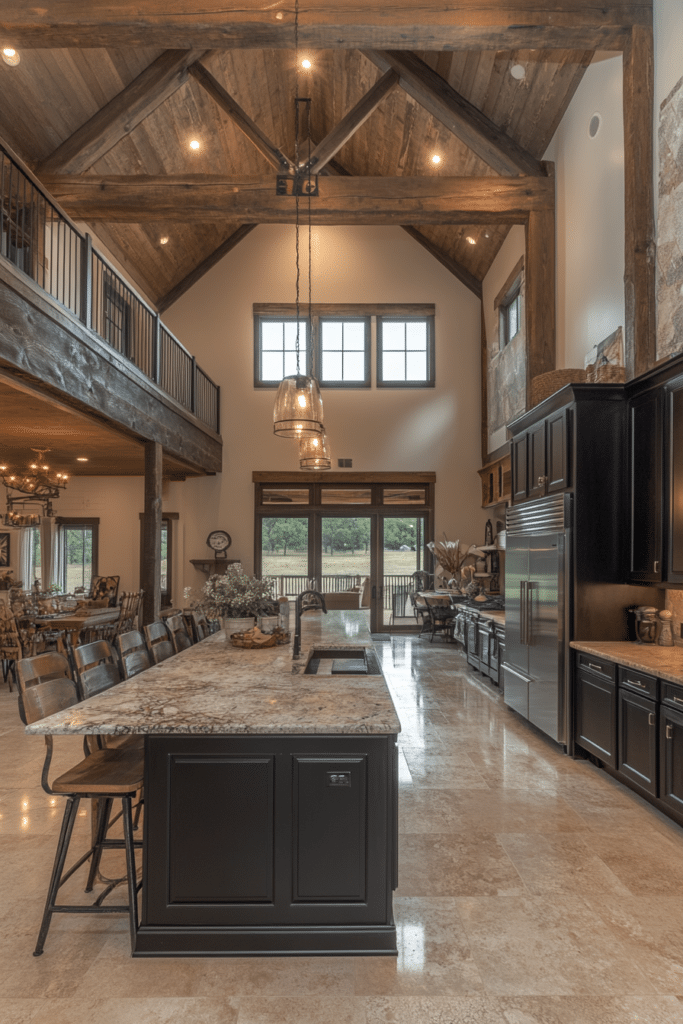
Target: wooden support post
539,278
150,580
640,254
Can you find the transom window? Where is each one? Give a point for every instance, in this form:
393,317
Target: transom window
511,317
344,351
405,352
276,348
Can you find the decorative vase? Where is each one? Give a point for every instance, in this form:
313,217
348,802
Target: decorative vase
237,625
268,623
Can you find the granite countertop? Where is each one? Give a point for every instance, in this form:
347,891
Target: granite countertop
663,662
214,688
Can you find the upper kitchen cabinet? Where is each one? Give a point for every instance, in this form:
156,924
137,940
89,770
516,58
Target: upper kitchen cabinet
674,429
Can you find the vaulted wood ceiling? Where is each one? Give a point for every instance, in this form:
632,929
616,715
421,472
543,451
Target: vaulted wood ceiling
53,93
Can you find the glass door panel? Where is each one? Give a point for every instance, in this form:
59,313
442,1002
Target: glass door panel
345,559
402,552
285,553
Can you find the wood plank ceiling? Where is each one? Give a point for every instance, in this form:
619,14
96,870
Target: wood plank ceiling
54,92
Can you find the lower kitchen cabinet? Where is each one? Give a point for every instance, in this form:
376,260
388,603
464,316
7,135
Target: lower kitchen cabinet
638,739
671,751
595,724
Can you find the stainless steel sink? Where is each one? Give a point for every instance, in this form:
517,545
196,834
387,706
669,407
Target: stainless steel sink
346,661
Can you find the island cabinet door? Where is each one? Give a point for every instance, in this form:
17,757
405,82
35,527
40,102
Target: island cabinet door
268,831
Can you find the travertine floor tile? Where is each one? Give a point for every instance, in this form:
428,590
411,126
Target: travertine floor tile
292,1010
470,863
594,1010
556,863
434,1010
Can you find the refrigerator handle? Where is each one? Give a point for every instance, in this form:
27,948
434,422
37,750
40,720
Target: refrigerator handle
522,612
529,613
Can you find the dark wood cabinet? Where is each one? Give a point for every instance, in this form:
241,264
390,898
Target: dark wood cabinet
637,739
674,511
519,468
595,727
671,758
646,453
537,469
558,440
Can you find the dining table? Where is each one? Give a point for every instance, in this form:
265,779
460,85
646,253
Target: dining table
73,622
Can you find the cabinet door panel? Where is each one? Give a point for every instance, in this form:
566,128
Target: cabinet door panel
596,717
537,461
671,758
675,512
559,455
638,740
519,468
645,429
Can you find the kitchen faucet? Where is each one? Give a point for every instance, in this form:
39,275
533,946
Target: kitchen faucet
299,610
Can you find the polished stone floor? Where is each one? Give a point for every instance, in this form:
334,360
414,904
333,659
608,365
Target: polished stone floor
533,890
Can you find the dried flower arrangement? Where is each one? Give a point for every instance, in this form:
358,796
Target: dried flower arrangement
235,594
451,557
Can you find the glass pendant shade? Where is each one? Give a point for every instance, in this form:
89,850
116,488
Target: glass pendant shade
314,452
298,408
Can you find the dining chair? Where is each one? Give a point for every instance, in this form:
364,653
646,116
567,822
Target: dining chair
103,775
133,653
200,626
158,642
175,624
440,616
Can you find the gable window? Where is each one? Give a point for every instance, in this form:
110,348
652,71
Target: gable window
405,351
510,305
344,352
275,345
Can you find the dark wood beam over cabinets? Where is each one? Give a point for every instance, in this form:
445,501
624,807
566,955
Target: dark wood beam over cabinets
457,114
640,249
539,279
275,157
223,249
352,200
351,122
464,276
405,25
150,576
122,114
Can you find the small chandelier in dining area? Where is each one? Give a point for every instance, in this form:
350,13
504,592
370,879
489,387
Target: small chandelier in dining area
314,453
36,486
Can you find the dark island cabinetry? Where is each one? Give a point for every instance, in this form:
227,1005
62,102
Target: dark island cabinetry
290,839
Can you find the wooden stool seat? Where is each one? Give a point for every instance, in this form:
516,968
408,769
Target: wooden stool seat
114,771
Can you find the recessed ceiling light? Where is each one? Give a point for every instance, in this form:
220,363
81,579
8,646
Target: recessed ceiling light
10,56
471,240
194,144
518,71
81,458
164,240
305,63
436,159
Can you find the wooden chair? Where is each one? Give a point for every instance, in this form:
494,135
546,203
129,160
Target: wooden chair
158,641
96,668
104,775
133,653
440,616
200,626
11,647
420,610
175,624
130,609
42,668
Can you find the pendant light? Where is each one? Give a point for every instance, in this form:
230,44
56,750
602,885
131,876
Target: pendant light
298,408
314,453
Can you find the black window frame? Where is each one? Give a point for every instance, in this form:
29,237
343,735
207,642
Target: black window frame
83,522
504,311
342,318
304,345
429,382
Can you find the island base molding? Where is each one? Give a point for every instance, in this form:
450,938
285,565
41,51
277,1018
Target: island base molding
378,940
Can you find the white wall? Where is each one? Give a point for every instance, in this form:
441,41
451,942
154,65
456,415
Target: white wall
425,429
590,215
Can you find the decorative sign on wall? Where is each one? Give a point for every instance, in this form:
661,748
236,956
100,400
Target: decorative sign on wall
4,550
670,226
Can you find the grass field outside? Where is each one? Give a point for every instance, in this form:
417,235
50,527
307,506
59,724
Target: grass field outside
295,563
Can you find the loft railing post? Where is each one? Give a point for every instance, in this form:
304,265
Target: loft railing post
193,387
86,281
156,354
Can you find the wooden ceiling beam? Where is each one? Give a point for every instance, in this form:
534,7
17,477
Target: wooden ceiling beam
353,200
463,275
350,123
460,116
275,157
223,249
337,24
122,114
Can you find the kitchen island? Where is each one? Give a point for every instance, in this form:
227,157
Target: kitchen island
270,796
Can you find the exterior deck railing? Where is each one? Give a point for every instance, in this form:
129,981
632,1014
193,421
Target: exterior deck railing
395,588
37,239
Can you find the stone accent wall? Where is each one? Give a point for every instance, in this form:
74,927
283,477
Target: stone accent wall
670,226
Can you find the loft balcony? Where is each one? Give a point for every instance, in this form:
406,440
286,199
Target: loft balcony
73,328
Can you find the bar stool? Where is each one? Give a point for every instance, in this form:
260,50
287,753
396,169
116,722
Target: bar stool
133,653
104,775
175,625
160,647
200,626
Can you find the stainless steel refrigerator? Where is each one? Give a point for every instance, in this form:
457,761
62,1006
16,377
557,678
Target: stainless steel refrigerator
537,579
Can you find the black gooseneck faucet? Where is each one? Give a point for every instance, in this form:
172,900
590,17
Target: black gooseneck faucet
317,604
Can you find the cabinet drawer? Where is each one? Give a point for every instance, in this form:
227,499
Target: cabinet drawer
601,666
638,681
672,694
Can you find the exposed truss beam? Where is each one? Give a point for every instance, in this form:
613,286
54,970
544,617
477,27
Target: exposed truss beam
464,276
460,116
337,24
223,249
375,200
258,138
122,114
351,122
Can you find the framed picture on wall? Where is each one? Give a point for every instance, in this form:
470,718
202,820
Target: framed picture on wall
4,550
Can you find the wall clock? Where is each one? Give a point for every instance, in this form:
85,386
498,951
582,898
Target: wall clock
219,541
4,550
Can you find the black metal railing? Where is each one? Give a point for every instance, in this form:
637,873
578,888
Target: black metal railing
395,588
37,239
